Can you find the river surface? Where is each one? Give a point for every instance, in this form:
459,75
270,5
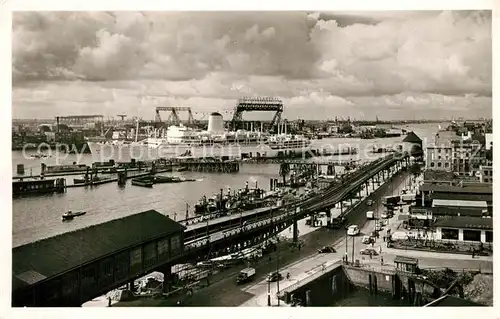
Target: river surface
38,217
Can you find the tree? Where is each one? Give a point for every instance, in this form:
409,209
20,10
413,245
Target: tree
415,169
284,171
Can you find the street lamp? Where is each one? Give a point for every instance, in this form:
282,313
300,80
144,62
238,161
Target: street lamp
346,243
278,273
268,293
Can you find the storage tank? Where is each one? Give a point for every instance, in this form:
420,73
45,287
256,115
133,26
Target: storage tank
215,123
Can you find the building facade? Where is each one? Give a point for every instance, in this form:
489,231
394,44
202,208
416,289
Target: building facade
486,174
464,155
439,157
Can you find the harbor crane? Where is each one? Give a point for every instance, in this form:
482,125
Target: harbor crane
250,104
174,118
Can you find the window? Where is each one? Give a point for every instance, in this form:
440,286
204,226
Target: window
439,157
439,150
149,254
162,247
472,235
135,260
175,243
489,236
432,164
446,164
439,164
449,233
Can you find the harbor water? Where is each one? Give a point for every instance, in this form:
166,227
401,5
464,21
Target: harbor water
38,217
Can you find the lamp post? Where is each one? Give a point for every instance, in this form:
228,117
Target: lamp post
269,293
346,243
278,274
352,250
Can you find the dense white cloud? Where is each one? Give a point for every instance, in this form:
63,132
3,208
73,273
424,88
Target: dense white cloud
322,62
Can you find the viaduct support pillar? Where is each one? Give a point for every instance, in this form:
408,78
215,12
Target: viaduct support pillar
167,277
295,231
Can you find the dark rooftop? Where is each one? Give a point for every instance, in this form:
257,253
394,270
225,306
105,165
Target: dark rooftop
52,256
215,114
435,175
464,222
452,301
412,138
406,260
477,188
462,196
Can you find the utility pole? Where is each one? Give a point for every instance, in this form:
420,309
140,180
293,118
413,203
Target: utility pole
353,250
268,293
346,243
278,274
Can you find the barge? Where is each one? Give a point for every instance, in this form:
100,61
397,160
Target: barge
146,181
40,186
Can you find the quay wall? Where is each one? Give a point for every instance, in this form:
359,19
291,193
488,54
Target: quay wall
364,277
338,283
331,286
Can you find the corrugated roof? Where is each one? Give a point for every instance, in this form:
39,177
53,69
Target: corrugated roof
52,256
465,222
459,203
477,188
412,138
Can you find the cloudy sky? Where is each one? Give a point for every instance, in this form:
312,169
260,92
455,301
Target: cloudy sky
395,65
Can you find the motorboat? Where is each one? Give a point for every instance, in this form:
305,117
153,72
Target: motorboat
70,215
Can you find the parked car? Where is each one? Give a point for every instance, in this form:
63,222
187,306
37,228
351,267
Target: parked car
367,240
353,230
274,276
368,251
326,250
369,202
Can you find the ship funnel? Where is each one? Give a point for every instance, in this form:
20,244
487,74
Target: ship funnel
215,123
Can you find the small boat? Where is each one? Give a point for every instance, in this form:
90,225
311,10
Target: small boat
171,179
70,215
91,181
143,182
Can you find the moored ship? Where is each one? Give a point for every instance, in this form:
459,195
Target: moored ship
214,142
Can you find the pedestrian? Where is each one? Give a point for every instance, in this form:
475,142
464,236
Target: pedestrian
371,256
380,249
373,243
383,238
381,260
109,301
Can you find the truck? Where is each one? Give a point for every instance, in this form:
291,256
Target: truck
409,197
391,200
336,218
370,214
245,275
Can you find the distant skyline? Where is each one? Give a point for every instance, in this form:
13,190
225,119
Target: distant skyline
391,64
